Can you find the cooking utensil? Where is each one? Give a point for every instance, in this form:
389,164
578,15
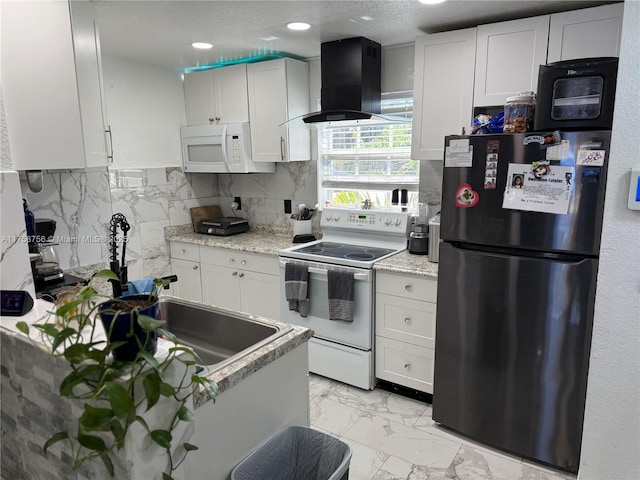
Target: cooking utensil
395,196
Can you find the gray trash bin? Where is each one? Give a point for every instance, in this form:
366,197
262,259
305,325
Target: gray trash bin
296,453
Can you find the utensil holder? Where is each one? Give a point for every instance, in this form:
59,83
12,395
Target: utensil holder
301,227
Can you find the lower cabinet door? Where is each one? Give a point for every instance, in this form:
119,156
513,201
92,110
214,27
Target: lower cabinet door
221,287
189,285
404,364
260,294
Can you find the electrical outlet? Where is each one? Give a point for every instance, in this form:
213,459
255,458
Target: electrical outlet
239,202
287,206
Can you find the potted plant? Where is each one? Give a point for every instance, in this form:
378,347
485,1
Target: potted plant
115,388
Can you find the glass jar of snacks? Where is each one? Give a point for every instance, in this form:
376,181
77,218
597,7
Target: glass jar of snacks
519,112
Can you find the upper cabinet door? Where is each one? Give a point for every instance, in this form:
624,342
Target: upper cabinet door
508,56
51,85
199,98
230,89
592,32
443,90
278,91
218,95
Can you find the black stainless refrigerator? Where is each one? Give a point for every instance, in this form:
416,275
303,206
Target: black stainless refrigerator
520,223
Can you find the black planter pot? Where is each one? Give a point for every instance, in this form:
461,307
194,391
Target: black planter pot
122,329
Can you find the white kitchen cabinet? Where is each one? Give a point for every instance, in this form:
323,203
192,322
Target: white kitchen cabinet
405,329
189,284
52,85
185,263
242,281
443,90
278,91
590,32
217,96
508,57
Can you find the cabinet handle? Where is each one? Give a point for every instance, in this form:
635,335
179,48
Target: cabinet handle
408,288
243,262
407,366
217,119
407,320
195,267
182,250
241,275
110,156
211,119
234,274
282,148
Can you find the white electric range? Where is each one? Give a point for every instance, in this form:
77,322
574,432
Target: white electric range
353,240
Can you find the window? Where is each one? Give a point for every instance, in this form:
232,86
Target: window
366,162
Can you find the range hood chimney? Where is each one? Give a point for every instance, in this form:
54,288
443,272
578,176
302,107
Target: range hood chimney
351,73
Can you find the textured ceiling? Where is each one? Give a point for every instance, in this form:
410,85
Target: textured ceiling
161,32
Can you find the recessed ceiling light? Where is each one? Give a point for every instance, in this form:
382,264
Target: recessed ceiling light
298,26
367,18
201,45
269,39
432,2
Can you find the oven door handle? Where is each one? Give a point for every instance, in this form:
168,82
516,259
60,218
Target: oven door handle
321,271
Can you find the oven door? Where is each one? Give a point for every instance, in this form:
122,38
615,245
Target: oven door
357,334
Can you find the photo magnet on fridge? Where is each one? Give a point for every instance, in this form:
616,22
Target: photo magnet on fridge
466,196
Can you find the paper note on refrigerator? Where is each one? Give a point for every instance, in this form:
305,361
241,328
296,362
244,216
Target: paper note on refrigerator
539,188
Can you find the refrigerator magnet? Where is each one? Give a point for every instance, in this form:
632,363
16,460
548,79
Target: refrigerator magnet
593,158
493,146
489,183
466,196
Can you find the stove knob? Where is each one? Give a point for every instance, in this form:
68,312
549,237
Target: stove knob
397,221
336,217
209,230
328,216
387,221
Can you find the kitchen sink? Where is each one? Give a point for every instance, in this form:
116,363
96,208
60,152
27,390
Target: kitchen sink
218,336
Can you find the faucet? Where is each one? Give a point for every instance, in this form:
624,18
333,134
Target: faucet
119,268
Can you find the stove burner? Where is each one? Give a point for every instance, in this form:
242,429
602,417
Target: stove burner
359,256
345,251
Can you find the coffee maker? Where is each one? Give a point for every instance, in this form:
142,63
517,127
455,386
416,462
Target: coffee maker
48,277
419,236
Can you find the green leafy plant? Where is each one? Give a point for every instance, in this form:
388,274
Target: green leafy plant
113,393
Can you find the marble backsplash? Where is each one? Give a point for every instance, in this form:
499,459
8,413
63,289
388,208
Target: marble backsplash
83,201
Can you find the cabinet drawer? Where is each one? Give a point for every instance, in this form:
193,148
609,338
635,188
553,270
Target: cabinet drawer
185,251
407,286
406,320
404,364
253,262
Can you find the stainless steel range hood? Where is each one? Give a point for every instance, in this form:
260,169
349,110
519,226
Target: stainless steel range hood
351,85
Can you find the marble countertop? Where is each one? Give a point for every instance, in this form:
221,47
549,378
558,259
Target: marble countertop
256,241
405,262
269,243
225,377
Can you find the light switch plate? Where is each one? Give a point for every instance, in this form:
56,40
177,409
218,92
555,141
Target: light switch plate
634,190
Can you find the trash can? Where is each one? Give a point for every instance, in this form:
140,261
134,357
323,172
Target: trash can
296,453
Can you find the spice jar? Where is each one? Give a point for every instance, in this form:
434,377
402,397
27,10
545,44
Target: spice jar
519,112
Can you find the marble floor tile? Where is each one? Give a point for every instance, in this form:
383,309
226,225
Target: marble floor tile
413,445
333,417
474,464
380,402
365,461
397,469
553,473
319,387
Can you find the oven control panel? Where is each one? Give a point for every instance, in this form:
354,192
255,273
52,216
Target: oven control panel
371,220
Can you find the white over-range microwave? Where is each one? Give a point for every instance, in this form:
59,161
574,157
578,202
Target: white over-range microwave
220,149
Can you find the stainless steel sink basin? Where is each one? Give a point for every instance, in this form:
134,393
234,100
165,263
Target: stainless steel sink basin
218,336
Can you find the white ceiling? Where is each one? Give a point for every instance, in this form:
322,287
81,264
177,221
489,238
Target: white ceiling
161,32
